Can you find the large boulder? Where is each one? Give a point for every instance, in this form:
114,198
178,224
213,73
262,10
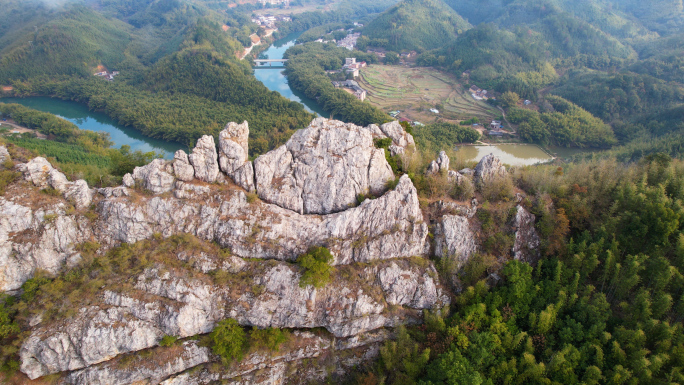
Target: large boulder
204,159
155,176
323,168
233,155
439,165
4,155
454,238
37,171
401,140
79,194
182,167
488,169
526,246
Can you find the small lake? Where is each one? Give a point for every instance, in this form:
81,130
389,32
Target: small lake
512,154
95,121
274,79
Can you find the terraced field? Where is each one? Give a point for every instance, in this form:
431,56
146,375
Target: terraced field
414,91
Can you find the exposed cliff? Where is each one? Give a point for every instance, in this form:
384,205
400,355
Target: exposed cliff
200,249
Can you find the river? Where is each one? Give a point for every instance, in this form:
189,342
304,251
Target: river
274,79
95,121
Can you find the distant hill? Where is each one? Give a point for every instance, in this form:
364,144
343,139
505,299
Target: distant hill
70,42
417,24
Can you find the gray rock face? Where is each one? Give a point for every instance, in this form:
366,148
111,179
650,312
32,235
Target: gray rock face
37,171
173,303
50,242
233,147
401,140
182,167
154,369
388,227
287,366
4,154
489,168
407,288
526,246
233,155
128,180
439,165
204,159
322,169
454,239
79,193
58,181
156,176
94,336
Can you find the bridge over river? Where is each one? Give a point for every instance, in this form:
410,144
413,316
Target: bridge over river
270,62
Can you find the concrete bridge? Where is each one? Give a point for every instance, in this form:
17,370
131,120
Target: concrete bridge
270,62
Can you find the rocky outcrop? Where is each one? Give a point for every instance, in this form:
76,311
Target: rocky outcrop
401,140
182,167
388,227
164,363
439,165
488,169
455,239
37,171
322,169
526,246
157,176
4,155
180,303
233,155
79,194
204,159
128,181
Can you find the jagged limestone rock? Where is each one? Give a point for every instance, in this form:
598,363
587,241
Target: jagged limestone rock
155,176
180,303
37,171
182,167
488,169
233,147
401,140
204,159
4,155
58,181
322,169
454,239
128,180
53,237
116,192
186,190
79,194
233,155
526,246
93,336
153,369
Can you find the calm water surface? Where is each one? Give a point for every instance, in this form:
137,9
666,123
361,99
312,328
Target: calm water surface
512,154
274,79
95,121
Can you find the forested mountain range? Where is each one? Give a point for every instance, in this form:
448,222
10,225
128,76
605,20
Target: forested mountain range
619,60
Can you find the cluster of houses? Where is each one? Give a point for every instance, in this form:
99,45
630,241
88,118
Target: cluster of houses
351,66
352,85
274,2
379,52
408,55
269,21
107,75
477,93
349,41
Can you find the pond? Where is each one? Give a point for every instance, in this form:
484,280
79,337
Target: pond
511,154
95,121
275,80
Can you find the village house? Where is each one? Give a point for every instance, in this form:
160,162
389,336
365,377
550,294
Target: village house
477,93
357,91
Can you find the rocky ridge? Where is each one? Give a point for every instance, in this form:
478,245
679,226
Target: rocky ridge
308,189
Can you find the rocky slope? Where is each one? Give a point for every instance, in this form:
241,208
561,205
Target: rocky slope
308,192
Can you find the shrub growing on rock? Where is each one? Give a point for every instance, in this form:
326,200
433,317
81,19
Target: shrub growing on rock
229,340
317,268
269,338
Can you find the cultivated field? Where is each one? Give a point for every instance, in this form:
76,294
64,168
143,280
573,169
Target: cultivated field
414,91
